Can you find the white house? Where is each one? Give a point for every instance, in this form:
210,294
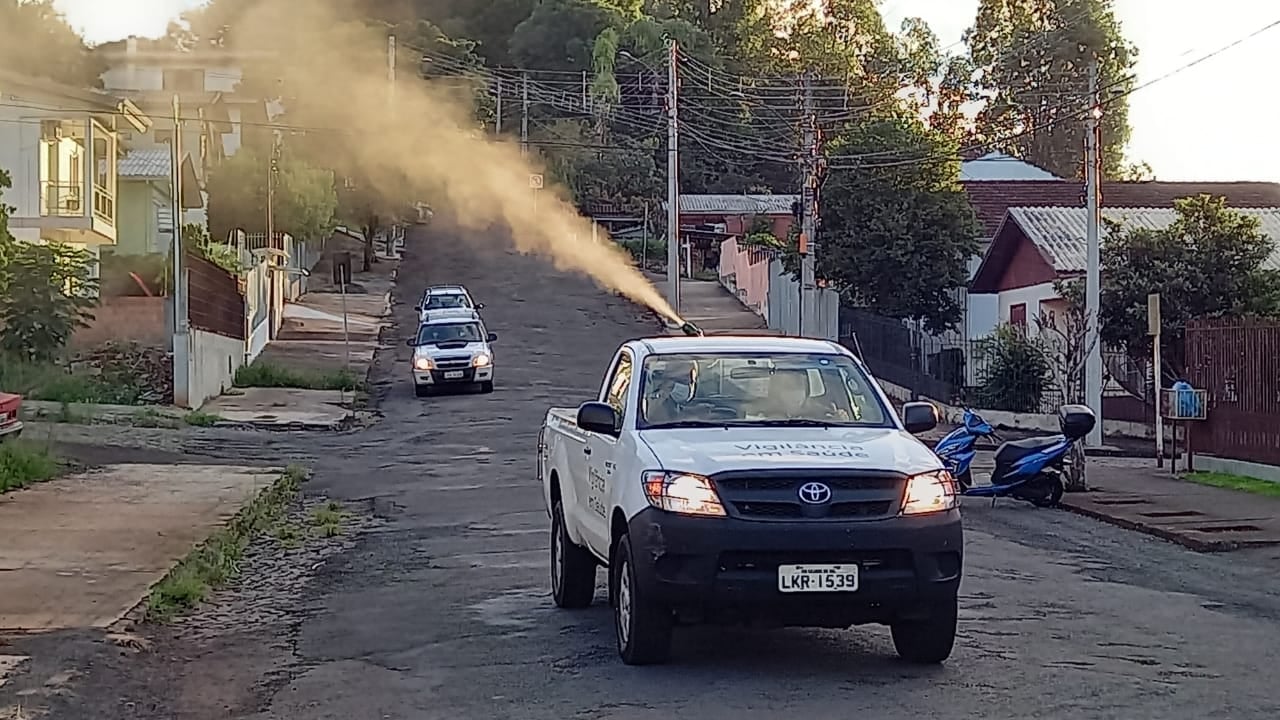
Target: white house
1037,246
61,147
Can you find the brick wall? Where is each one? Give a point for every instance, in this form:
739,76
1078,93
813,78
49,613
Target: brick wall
126,319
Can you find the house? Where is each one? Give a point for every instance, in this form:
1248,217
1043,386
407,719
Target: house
206,81
992,200
146,202
61,146
1037,246
715,224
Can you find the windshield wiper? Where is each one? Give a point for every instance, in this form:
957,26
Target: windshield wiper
689,424
792,422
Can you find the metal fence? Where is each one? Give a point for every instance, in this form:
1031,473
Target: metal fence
784,306
1237,363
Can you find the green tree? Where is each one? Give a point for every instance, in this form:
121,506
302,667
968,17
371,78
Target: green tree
1208,263
1034,57
51,293
1016,371
35,40
897,239
561,34
373,205
305,200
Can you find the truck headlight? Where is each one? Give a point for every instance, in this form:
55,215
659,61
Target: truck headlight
422,363
682,493
930,492
480,360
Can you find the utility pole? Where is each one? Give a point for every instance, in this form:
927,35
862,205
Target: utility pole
809,211
673,177
181,320
391,69
524,113
273,169
1093,258
497,122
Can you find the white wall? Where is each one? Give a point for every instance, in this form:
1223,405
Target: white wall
1032,296
133,77
213,361
982,315
231,141
20,156
222,79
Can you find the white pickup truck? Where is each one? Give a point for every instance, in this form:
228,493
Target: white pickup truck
751,480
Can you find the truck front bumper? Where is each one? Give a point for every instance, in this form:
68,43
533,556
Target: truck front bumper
726,569
453,377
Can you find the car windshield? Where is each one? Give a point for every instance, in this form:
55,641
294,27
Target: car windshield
449,332
782,389
441,302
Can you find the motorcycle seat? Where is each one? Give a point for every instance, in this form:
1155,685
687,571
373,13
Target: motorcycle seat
1014,450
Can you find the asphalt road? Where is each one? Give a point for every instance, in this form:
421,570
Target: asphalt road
442,610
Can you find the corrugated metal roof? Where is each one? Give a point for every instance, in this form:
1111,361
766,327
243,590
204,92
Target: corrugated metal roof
990,200
1061,233
999,167
737,204
149,163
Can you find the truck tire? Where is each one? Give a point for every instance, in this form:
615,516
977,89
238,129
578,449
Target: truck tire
643,627
421,390
928,641
486,386
573,569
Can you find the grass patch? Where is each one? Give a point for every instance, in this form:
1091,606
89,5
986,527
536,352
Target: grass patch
196,418
24,463
270,375
217,560
55,383
150,418
1236,482
326,520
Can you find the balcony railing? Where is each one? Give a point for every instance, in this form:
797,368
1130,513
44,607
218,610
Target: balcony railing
104,205
62,200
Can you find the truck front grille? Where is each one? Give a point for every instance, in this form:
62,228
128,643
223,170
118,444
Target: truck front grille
453,363
775,495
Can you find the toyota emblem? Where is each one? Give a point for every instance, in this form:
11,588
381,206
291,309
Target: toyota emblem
815,493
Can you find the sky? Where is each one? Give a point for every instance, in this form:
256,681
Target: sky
1210,122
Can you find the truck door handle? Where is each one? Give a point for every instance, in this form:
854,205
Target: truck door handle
586,451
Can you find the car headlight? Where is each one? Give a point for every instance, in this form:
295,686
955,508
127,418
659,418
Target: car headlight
682,493
422,363
930,492
480,360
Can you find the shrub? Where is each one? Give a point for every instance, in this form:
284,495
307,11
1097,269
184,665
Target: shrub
1016,373
50,295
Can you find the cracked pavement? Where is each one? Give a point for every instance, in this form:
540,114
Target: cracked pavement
441,609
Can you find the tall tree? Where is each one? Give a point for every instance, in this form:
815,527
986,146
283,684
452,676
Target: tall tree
36,40
1209,262
1034,58
897,239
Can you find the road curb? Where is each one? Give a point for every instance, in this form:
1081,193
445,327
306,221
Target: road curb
1162,533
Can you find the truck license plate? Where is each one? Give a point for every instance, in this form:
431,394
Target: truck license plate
817,578
453,375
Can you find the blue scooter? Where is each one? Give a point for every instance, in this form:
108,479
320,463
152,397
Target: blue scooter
1031,469
959,447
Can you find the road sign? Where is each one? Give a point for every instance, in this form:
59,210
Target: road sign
535,181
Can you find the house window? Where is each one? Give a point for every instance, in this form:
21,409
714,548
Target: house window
1018,315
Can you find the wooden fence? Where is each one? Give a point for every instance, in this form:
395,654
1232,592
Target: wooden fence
214,301
1237,363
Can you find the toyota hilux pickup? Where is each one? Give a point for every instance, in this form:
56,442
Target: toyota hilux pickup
762,481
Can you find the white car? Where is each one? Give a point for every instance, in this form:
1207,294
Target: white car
757,480
439,301
452,352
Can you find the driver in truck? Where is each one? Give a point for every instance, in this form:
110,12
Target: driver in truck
670,388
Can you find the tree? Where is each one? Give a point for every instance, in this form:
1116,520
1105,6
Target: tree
1015,373
373,206
1066,341
1034,57
35,40
898,239
304,198
1207,263
51,294
561,34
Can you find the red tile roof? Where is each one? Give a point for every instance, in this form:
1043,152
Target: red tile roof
991,199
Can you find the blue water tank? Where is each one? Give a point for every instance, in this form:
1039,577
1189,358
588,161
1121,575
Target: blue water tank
1188,402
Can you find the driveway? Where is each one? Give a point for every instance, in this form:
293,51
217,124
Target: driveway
443,610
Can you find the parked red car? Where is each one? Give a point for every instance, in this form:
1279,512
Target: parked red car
10,415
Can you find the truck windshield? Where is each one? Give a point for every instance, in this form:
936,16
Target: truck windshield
783,389
441,302
449,332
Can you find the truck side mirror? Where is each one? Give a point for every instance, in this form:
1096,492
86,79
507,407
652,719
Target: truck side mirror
598,417
920,417
411,342
479,306
491,337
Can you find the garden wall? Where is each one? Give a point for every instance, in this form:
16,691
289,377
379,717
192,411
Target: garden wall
126,319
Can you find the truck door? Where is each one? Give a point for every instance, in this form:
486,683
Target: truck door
602,457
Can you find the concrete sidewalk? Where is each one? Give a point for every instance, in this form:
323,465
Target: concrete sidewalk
707,304
311,339
81,551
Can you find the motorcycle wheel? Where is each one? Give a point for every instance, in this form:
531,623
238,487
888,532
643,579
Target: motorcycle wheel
1052,495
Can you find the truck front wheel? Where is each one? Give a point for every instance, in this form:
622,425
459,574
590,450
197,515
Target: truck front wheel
573,570
927,641
642,625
